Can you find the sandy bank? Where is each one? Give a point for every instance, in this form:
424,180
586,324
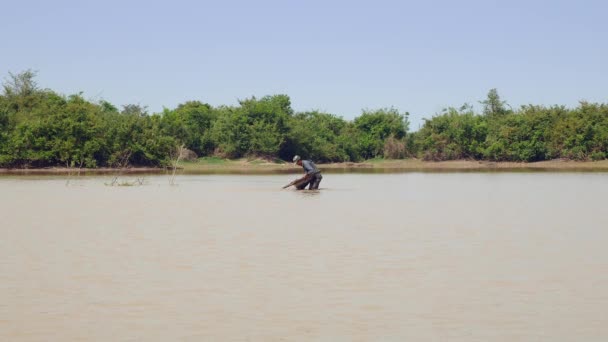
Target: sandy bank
243,166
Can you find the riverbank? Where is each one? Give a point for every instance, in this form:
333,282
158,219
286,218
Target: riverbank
401,165
259,166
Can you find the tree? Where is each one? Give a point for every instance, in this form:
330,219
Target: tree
21,84
492,105
316,136
257,127
135,110
374,127
230,133
190,123
454,134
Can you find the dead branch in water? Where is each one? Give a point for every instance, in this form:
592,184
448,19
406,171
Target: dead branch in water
175,160
70,168
121,167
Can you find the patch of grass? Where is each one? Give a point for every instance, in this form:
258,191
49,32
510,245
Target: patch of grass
264,160
212,160
376,160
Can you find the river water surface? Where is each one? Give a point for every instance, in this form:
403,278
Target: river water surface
390,257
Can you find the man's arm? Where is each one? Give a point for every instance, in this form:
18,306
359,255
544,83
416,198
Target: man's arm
306,177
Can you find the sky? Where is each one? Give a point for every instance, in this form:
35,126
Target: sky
340,57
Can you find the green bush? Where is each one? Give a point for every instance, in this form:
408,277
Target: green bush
39,127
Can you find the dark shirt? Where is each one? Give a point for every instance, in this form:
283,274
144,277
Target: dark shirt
310,167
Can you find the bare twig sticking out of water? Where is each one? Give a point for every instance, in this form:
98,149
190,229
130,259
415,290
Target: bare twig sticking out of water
70,169
67,165
179,152
121,168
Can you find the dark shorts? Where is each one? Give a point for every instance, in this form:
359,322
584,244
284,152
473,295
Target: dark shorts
313,183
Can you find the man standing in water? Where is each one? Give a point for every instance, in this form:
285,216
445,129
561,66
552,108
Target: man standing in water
312,173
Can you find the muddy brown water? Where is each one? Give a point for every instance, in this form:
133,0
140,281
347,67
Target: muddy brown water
389,257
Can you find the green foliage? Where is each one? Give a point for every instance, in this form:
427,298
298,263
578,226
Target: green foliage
255,128
230,133
581,133
493,106
317,136
532,133
374,127
267,120
212,160
455,134
190,123
522,136
139,136
39,128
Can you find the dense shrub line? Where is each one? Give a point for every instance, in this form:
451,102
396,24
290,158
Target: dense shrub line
39,127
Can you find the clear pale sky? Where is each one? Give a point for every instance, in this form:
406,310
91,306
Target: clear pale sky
334,56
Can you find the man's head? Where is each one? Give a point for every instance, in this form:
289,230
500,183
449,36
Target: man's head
297,160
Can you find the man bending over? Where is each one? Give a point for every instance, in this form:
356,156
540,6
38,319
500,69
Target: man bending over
312,173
